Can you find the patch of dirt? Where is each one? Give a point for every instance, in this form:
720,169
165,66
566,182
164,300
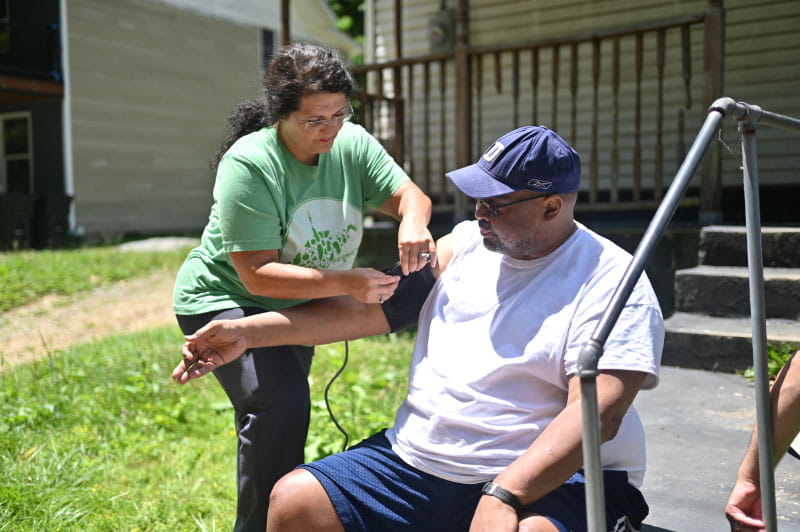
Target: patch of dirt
56,322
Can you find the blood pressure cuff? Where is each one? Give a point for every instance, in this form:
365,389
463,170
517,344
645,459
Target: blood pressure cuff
402,309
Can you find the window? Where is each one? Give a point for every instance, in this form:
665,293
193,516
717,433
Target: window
5,27
16,173
267,47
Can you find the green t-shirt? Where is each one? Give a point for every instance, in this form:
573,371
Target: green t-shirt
264,198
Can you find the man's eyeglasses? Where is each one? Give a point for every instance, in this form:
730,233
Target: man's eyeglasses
494,208
336,120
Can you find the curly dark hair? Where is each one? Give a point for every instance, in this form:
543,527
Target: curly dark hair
297,70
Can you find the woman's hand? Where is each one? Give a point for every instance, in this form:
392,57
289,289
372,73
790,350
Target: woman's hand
415,244
210,347
369,285
416,247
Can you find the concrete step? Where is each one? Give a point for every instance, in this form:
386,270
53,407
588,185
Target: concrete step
724,291
722,245
700,341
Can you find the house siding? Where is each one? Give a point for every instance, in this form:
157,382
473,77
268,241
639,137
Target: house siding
151,87
761,39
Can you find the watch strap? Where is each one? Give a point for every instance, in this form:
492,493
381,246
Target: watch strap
494,490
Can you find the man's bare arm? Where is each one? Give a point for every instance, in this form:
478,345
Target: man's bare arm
317,322
557,454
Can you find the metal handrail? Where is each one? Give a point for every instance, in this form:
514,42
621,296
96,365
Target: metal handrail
749,116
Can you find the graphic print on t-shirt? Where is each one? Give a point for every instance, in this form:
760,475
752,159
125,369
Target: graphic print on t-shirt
323,234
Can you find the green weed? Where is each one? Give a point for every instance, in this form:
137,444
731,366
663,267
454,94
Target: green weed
777,355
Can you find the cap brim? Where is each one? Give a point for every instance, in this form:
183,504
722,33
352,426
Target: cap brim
476,182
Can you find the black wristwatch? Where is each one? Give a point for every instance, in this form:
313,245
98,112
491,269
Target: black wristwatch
490,488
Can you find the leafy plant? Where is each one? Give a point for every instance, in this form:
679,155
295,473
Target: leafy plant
777,355
350,17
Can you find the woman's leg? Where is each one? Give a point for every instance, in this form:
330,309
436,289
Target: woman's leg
268,388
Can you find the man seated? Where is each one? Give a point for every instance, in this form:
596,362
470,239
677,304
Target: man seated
489,435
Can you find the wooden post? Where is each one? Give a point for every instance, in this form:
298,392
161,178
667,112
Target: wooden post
714,87
463,91
398,147
285,36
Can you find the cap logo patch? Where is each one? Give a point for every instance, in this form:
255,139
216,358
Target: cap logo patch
538,183
493,152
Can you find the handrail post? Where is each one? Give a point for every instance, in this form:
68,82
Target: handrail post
592,462
747,131
592,350
748,117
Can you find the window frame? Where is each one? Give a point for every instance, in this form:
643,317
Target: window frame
27,156
5,27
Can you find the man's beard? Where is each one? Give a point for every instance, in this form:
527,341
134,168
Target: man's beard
517,248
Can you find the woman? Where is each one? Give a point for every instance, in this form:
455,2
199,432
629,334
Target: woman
292,182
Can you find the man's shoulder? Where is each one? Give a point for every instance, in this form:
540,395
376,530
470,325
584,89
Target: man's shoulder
608,251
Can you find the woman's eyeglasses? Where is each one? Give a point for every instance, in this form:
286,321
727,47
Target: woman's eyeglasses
494,208
320,123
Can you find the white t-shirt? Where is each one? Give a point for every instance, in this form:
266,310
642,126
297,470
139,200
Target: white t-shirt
498,339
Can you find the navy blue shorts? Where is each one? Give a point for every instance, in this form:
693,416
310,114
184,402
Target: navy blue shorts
372,489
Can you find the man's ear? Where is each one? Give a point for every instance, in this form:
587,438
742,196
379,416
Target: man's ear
552,206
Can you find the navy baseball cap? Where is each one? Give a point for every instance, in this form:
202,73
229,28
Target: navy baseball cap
529,158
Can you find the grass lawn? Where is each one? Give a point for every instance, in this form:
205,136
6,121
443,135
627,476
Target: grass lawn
98,438
26,275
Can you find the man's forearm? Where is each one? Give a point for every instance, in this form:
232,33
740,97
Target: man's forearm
317,322
557,453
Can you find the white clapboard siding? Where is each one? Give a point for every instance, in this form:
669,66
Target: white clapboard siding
151,87
762,44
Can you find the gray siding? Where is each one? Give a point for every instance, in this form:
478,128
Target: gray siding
151,87
762,40
762,43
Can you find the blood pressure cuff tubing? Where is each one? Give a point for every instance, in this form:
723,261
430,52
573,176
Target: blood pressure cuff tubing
402,309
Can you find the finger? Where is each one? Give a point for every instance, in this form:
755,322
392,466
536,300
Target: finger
740,521
189,355
414,260
434,256
388,283
386,289
179,372
423,258
405,253
202,368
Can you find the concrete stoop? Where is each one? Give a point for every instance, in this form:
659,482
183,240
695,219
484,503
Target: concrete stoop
726,245
711,328
699,341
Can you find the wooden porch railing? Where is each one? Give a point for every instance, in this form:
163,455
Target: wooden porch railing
621,97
